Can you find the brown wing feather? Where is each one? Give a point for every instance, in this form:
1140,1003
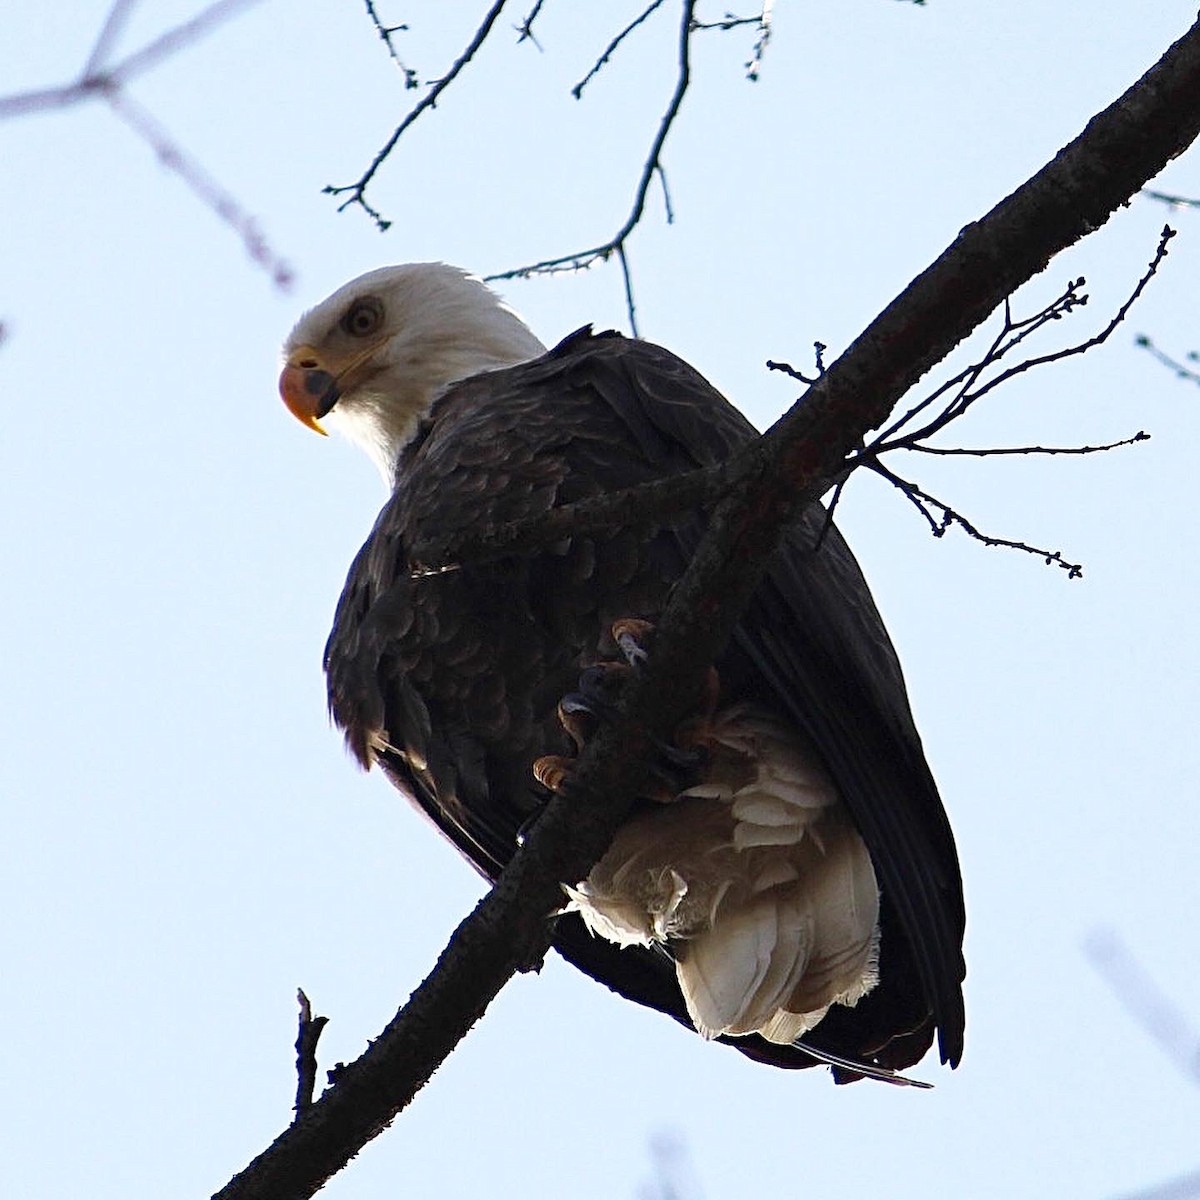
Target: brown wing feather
452,679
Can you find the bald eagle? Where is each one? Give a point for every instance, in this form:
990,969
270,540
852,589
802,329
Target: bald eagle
791,886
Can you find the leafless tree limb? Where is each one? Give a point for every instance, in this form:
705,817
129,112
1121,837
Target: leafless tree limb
617,246
386,33
654,504
1170,200
510,930
581,259
611,48
1145,1001
1181,370
307,1036
941,517
102,78
358,190
525,29
762,22
969,386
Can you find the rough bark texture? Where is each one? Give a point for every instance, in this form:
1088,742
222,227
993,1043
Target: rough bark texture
1120,149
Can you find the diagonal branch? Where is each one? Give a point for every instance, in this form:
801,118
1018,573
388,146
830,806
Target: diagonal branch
100,79
358,189
1182,370
927,505
580,259
611,48
385,36
1118,152
1171,200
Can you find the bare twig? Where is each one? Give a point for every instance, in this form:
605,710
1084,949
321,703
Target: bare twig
1182,1187
1065,304
968,389
358,190
668,209
927,505
754,65
525,29
939,515
791,372
354,194
1181,370
101,78
204,186
611,48
1145,1001
581,259
176,39
1170,200
727,22
110,32
307,1036
992,451
386,33
762,22
647,506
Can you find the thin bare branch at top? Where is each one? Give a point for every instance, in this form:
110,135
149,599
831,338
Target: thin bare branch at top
579,260
108,80
358,189
355,194
386,33
611,48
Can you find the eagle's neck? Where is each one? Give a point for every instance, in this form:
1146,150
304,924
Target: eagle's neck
443,344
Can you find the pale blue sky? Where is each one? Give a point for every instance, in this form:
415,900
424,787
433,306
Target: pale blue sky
185,840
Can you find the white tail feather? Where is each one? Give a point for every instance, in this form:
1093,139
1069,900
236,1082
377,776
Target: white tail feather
758,881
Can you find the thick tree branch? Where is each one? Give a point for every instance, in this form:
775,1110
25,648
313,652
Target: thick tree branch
1117,153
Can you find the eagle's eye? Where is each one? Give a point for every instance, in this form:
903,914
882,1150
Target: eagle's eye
362,318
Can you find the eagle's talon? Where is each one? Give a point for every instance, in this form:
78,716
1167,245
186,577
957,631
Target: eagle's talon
551,771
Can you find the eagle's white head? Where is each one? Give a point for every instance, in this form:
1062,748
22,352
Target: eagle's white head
371,359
